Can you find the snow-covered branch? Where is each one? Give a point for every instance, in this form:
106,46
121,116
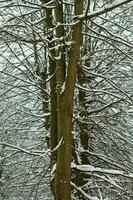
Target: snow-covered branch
103,10
92,169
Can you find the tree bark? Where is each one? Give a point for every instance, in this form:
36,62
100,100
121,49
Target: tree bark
62,189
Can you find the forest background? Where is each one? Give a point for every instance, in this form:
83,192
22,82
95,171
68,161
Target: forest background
66,100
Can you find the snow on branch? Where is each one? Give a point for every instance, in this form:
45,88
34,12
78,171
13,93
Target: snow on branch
84,193
90,168
103,10
29,151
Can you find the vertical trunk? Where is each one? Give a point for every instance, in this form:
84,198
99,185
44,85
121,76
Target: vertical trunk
53,95
84,129
81,178
65,107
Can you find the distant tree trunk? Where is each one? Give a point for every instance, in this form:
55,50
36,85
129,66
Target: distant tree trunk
84,128
53,94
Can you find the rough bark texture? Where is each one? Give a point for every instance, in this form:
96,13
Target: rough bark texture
62,188
53,95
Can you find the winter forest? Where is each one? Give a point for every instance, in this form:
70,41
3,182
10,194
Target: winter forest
66,99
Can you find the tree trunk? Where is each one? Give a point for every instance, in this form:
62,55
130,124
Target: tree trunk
62,190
